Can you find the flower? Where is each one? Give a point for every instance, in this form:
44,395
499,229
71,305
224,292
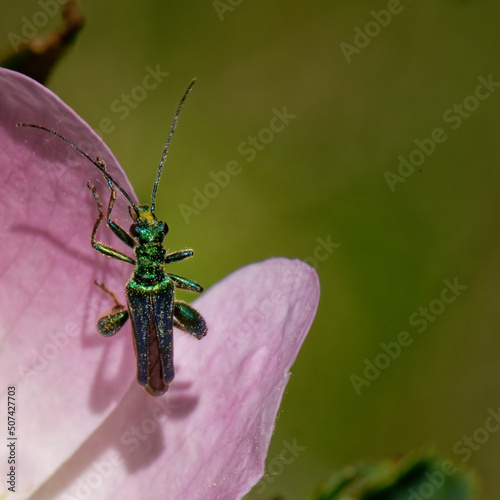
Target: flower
85,428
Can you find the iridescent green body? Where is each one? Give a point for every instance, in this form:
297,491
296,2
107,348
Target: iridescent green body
150,292
151,302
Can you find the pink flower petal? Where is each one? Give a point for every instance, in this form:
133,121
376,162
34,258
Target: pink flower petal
67,378
86,428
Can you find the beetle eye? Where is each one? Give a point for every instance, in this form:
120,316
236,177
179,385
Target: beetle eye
165,228
134,230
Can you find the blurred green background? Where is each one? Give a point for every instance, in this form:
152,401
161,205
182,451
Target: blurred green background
322,179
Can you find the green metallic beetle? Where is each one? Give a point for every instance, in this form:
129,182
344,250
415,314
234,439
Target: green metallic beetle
150,292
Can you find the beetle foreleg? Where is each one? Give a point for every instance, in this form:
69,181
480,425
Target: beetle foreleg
101,247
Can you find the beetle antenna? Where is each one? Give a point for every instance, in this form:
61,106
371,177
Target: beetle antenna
165,149
88,157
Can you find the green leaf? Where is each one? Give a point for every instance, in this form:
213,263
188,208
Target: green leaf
415,477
